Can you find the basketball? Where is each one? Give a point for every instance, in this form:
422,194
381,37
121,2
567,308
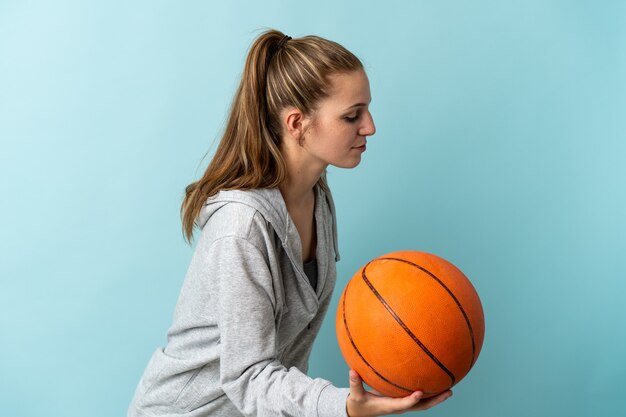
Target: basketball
410,321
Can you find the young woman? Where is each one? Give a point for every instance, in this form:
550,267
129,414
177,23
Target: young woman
263,271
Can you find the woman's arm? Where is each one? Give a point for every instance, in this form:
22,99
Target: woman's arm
250,372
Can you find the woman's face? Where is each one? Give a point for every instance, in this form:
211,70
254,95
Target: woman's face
336,135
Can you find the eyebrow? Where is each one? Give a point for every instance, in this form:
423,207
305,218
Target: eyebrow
357,105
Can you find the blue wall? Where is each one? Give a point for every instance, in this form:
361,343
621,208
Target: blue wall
500,145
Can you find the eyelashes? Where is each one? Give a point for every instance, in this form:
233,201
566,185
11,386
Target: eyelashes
352,119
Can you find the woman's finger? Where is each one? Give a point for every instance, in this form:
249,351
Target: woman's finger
432,401
405,403
357,392
390,405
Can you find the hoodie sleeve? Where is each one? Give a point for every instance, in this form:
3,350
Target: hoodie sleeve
250,373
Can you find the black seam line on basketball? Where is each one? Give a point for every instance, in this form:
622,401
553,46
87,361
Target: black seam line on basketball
404,326
458,303
356,349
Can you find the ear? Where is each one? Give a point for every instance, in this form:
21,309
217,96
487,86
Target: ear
295,123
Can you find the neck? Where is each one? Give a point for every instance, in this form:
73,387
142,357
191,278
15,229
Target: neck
302,176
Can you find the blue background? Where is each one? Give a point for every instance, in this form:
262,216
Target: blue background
500,146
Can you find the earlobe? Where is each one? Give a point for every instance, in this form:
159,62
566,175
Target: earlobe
301,140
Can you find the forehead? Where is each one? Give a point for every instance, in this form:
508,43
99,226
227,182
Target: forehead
348,89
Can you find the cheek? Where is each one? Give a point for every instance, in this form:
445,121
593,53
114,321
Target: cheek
342,141
345,134
334,140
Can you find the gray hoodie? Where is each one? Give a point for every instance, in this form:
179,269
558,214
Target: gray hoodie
246,317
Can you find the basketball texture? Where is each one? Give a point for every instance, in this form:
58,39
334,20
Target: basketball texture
410,321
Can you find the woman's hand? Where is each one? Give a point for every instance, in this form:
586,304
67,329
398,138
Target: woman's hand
362,403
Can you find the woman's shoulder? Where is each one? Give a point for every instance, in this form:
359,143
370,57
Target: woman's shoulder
233,219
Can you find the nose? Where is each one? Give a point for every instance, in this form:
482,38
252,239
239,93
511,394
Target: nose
369,128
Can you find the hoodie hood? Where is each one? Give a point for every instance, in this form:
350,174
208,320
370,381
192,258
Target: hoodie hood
270,203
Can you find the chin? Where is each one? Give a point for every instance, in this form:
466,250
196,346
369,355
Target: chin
348,164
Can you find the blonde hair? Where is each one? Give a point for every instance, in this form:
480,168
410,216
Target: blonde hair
248,155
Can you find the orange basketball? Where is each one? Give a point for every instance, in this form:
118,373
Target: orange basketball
410,321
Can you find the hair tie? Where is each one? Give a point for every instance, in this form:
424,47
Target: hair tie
276,48
282,42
